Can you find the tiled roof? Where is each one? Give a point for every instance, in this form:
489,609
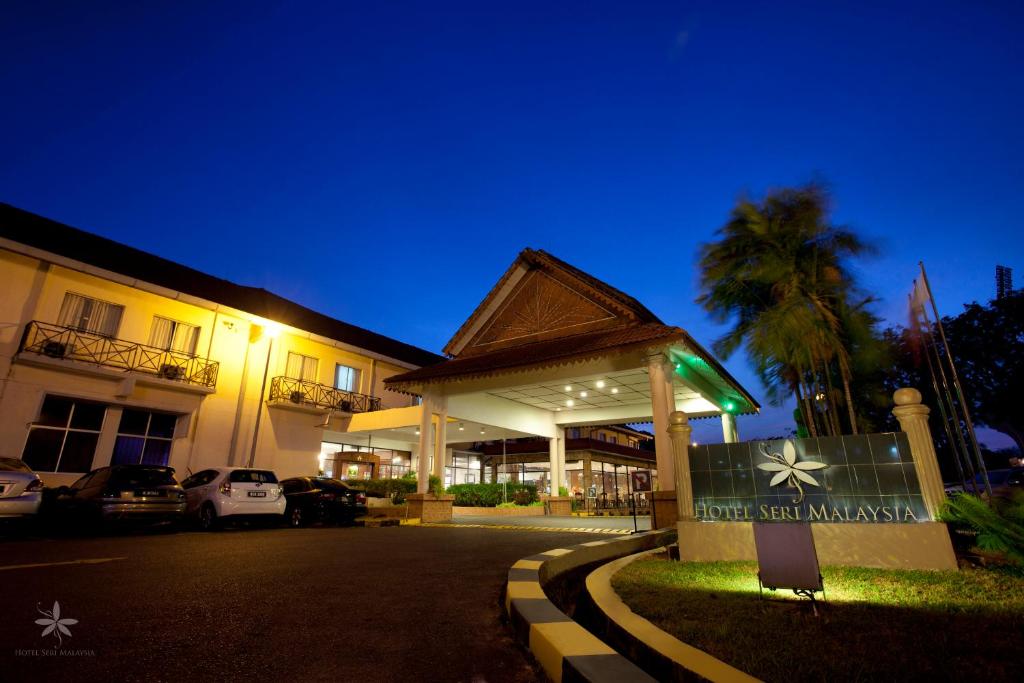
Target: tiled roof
641,311
542,353
27,228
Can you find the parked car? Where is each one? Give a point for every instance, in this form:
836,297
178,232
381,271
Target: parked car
1004,482
21,491
319,499
121,493
231,493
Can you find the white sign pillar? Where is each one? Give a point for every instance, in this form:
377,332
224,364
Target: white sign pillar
679,432
913,419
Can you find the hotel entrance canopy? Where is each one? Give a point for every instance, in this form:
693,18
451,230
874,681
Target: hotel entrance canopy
550,347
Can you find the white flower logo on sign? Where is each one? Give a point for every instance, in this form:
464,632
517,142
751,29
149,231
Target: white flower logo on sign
54,624
789,470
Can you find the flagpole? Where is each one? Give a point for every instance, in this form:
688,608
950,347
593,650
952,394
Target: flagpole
958,456
956,384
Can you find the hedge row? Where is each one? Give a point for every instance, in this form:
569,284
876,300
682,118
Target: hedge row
490,495
385,488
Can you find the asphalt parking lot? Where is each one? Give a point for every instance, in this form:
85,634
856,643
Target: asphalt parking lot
341,604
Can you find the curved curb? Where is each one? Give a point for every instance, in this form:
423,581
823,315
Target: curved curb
669,657
565,650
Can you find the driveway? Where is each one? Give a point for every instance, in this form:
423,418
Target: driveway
340,604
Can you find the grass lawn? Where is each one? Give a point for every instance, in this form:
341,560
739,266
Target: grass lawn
878,625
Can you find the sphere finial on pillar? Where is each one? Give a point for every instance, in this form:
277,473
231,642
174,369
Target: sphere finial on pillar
677,417
906,396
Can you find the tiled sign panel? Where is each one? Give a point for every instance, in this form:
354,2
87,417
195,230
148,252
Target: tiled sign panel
867,478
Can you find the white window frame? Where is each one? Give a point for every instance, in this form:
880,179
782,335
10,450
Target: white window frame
176,327
355,375
305,365
89,311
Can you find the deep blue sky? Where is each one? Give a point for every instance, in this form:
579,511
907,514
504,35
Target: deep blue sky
384,162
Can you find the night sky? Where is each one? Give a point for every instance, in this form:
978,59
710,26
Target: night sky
384,162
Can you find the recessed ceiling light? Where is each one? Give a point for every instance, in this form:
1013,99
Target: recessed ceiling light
557,409
570,403
615,390
600,384
568,387
583,394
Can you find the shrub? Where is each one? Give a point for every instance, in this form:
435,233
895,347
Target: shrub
434,485
394,489
1000,523
490,495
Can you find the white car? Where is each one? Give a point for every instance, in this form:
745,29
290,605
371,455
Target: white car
222,493
21,491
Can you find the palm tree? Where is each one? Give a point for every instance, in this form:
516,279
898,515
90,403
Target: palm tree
779,274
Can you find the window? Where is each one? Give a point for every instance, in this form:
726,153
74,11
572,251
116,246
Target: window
200,479
64,437
171,335
142,477
144,437
295,485
302,367
252,477
90,315
346,378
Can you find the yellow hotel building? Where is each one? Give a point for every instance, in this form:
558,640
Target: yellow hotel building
112,355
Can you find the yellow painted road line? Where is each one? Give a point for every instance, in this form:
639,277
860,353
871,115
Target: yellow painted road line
96,560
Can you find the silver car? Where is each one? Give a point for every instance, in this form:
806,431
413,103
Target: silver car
21,491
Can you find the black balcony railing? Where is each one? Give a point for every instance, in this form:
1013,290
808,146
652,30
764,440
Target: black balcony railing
55,341
303,392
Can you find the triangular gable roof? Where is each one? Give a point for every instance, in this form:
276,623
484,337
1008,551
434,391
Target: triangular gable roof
541,298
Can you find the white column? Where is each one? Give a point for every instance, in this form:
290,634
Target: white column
729,431
553,464
660,374
913,419
426,448
561,481
441,438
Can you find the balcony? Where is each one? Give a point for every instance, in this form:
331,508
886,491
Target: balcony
313,395
66,343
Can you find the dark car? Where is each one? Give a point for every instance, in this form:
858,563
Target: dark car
319,499
121,493
1003,482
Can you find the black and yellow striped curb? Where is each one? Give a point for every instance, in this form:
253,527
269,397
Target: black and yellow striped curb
663,655
524,527
565,650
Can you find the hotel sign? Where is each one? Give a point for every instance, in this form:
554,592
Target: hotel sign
867,478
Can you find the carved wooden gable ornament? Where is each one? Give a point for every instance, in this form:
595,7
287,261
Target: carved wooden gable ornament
538,299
